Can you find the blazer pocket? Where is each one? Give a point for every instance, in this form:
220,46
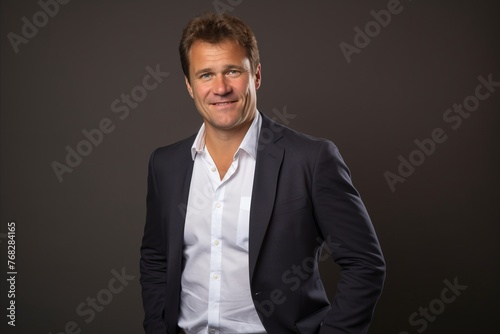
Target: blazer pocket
242,229
289,206
312,323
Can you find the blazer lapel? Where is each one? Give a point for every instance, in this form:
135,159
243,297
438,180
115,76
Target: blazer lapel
178,189
267,168
178,212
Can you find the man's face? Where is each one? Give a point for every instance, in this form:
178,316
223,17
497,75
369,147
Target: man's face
222,84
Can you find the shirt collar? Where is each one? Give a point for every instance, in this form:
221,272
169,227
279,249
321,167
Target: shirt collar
248,144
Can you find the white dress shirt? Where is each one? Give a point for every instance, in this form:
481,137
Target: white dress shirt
215,296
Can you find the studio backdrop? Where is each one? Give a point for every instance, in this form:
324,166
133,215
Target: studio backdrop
408,90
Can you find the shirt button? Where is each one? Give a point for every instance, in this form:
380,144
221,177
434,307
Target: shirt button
216,276
218,205
211,331
216,242
214,169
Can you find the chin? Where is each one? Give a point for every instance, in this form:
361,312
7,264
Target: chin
227,124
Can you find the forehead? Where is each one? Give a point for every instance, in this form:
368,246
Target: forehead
226,52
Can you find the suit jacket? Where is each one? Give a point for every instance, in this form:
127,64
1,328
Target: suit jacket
302,196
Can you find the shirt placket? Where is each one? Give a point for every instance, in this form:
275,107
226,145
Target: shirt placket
214,293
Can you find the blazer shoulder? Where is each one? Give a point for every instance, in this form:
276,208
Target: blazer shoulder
178,148
306,138
288,136
299,140
172,156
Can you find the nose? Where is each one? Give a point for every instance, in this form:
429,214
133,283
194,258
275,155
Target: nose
221,86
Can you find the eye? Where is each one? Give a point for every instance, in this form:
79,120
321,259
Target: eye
205,76
233,73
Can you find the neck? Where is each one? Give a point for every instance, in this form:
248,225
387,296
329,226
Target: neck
222,144
225,142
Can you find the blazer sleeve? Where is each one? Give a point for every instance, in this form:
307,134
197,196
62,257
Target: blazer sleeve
348,231
153,265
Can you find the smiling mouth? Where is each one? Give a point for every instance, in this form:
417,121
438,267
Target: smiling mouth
225,103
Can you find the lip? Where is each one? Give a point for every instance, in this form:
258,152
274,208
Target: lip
222,103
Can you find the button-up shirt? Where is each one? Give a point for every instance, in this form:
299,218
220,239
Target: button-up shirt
215,296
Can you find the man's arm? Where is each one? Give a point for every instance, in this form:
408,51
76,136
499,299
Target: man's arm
349,233
153,260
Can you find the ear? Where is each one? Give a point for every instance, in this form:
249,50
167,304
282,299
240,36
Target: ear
258,77
188,86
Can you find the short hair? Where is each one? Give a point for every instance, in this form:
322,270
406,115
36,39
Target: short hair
215,28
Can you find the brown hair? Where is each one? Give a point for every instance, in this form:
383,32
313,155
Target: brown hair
215,28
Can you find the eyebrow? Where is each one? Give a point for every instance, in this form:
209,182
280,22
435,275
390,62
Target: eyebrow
227,67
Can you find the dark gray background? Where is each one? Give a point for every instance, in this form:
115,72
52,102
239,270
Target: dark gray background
441,223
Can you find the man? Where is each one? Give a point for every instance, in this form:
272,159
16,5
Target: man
237,214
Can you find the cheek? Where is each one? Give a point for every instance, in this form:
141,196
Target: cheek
199,93
245,89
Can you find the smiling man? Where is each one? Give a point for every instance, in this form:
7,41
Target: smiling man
223,84
235,223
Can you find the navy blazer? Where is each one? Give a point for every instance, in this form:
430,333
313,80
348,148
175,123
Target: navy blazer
302,198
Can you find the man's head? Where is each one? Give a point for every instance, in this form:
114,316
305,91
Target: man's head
220,61
214,29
